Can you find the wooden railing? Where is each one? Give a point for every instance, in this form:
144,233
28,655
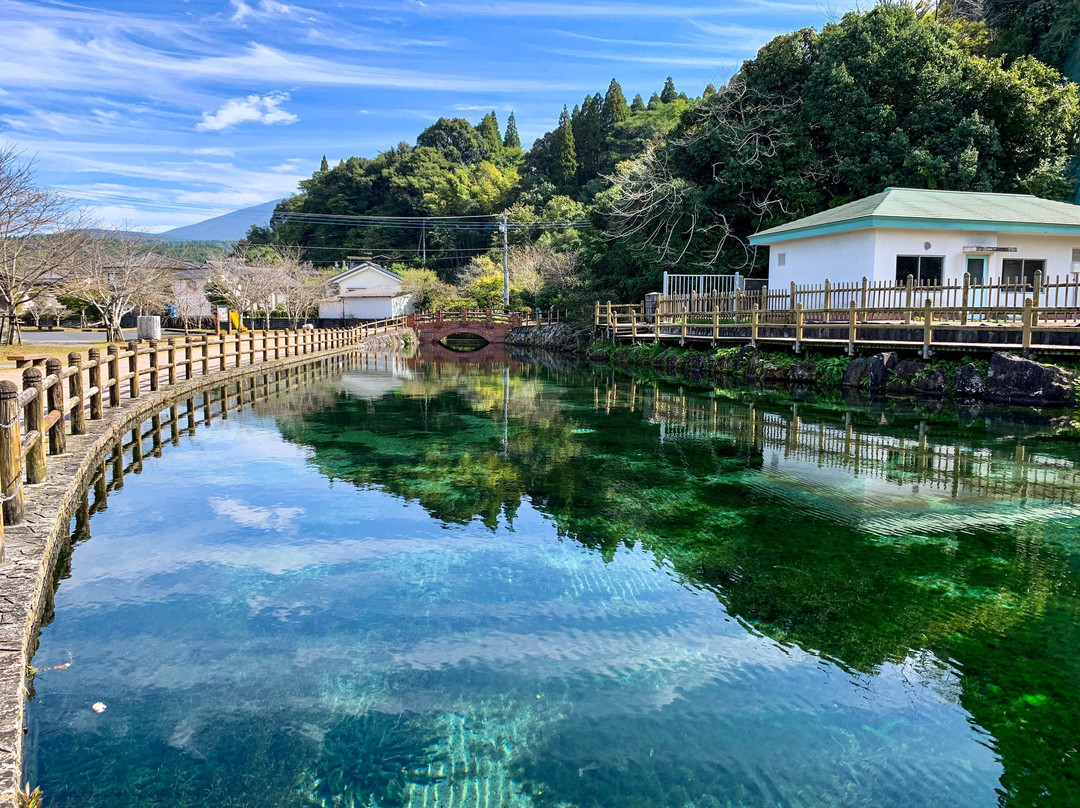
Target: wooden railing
36,421
1057,298
926,317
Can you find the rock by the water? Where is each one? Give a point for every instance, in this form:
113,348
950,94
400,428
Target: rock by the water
1014,380
968,382
930,383
902,378
772,374
854,373
880,367
802,372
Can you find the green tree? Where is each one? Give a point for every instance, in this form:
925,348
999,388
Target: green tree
564,164
511,140
615,109
490,138
638,104
324,166
654,101
668,94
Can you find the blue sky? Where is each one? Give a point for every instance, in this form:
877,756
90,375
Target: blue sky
158,113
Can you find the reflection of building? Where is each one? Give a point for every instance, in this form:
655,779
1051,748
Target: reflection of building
366,291
376,375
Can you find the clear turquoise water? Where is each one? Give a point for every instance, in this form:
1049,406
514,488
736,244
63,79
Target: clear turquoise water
545,586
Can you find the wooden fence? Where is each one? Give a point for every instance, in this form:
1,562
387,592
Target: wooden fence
927,317
964,299
36,421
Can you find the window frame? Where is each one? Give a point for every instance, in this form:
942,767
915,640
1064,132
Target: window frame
918,274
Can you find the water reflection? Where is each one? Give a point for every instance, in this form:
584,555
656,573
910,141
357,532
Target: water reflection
548,585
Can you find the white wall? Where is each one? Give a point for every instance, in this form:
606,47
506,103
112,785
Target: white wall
843,257
840,257
366,308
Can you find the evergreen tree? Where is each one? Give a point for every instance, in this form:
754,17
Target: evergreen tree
564,158
668,94
588,126
615,106
709,90
654,101
512,140
324,165
490,139
638,104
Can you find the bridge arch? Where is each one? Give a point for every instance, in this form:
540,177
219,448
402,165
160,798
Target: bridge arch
487,325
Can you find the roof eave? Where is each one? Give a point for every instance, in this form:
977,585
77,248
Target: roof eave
909,223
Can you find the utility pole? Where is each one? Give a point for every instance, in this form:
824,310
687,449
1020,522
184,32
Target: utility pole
506,260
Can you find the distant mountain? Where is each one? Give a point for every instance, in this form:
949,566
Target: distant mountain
227,227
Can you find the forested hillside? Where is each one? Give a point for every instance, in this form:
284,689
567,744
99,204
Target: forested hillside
617,192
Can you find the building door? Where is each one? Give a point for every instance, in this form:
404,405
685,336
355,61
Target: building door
976,270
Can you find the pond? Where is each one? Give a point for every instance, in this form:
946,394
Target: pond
524,582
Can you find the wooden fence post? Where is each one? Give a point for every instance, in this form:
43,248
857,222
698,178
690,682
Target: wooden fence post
188,357
96,408
55,405
1026,327
206,355
223,347
828,298
239,346
154,381
34,415
793,297
114,375
965,297
10,453
685,319
908,301
852,314
927,333
133,369
1037,284
170,357
798,327
864,297
755,314
715,319
75,387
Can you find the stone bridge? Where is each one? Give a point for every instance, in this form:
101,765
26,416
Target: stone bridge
489,325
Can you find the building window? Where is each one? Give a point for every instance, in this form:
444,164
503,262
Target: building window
1021,270
781,259
923,268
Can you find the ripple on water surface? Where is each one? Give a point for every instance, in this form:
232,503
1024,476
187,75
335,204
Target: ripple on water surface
525,589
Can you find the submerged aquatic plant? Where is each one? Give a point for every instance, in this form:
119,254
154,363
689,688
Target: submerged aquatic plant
367,760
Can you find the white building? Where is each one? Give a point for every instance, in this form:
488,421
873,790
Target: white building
366,291
931,235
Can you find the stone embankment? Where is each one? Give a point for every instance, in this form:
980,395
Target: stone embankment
1005,379
557,337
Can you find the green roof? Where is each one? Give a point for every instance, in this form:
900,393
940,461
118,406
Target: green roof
938,210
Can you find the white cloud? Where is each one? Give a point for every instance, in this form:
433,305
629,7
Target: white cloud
253,515
264,109
264,9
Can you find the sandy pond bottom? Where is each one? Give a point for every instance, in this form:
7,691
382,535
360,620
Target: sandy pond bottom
440,586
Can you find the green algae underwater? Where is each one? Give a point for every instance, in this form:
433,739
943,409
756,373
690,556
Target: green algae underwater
525,582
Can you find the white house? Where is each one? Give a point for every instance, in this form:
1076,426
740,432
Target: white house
365,291
931,235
